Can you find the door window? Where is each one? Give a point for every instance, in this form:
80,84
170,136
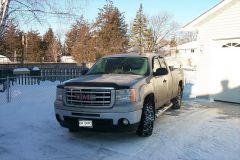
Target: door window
162,63
156,64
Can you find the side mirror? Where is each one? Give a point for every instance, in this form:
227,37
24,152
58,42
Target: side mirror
171,68
161,72
84,71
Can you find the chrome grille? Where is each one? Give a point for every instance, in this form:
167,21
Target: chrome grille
89,97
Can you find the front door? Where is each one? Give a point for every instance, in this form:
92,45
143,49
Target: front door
167,82
160,85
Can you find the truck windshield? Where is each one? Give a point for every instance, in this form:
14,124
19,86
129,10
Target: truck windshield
121,65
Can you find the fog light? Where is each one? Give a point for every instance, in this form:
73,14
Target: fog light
125,122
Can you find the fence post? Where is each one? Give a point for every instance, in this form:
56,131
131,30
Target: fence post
8,90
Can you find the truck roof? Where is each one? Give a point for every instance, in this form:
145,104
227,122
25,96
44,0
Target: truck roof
132,55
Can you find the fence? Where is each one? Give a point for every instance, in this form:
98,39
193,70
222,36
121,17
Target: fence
64,71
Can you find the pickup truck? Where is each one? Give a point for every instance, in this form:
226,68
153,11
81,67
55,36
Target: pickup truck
120,92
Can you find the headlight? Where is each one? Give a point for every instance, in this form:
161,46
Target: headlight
125,95
59,94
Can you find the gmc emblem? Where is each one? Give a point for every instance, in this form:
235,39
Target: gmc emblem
85,97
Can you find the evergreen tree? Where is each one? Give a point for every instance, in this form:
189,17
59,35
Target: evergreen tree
11,42
82,50
50,46
149,40
33,50
107,35
141,35
79,41
71,38
110,30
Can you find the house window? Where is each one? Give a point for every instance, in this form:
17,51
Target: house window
231,45
236,45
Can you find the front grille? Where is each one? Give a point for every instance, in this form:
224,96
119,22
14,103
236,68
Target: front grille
85,97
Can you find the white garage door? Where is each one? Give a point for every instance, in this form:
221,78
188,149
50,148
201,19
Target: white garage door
226,71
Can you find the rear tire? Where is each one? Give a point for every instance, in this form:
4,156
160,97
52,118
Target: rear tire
177,101
145,128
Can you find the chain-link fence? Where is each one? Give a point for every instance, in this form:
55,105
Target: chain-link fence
27,88
3,92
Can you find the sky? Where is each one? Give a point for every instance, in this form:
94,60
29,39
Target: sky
183,11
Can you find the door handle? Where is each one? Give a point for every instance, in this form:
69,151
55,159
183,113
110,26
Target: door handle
164,81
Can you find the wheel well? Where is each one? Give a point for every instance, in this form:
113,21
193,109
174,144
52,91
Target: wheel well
150,97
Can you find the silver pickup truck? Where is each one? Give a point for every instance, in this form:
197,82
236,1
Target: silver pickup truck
120,92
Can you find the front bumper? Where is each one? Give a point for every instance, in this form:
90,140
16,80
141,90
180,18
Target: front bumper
101,121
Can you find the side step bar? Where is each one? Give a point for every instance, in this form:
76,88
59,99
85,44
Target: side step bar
162,110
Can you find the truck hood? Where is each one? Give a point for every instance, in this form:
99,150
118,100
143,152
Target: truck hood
118,81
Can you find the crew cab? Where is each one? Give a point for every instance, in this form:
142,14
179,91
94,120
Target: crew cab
120,92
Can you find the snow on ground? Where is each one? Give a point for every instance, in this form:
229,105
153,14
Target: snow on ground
200,130
21,93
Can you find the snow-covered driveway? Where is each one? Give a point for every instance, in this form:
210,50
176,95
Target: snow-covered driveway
199,131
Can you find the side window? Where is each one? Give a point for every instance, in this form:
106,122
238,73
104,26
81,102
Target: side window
162,63
156,64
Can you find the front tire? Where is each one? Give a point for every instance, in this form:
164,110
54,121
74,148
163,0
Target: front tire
145,128
177,101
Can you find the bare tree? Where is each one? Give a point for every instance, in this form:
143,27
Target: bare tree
185,37
164,28
27,11
4,5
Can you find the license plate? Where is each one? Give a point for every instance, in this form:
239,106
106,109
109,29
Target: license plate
85,123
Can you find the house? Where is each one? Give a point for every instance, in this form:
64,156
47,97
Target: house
186,49
219,57
186,53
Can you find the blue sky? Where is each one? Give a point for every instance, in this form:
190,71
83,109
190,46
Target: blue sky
182,10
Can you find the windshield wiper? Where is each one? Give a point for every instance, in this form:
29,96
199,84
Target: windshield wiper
129,73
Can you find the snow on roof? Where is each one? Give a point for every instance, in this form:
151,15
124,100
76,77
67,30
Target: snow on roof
2,56
35,69
21,70
4,59
67,59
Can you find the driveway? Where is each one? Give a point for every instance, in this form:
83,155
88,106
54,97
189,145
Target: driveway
199,130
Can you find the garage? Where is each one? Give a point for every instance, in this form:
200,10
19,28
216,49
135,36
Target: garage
219,57
225,83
